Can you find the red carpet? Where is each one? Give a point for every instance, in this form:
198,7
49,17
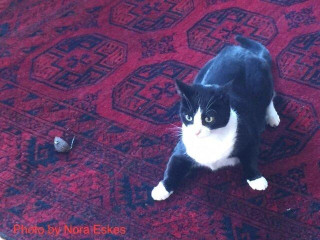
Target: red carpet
104,71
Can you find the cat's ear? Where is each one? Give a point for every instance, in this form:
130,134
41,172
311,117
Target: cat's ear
184,90
223,92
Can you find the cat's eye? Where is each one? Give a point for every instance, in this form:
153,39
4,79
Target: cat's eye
209,119
189,118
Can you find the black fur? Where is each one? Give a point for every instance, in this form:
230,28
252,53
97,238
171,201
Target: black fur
214,99
240,78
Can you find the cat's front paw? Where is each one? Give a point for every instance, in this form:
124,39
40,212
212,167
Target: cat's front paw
160,193
258,184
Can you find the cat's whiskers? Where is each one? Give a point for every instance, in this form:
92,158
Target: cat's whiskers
175,127
207,107
176,130
188,102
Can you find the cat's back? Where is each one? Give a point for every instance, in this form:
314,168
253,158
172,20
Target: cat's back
252,84
230,64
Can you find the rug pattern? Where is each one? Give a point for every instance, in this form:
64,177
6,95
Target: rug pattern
104,71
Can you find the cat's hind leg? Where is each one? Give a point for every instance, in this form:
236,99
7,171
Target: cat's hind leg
272,117
248,157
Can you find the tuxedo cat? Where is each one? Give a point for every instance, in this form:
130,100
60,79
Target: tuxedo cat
223,114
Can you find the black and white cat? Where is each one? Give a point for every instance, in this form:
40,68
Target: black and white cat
223,114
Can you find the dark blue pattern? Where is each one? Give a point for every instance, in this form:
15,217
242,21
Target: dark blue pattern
300,60
160,105
298,122
219,28
285,2
144,17
151,47
78,61
303,17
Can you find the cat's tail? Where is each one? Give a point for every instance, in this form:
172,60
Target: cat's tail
255,47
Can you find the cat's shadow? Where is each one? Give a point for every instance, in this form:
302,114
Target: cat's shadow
201,176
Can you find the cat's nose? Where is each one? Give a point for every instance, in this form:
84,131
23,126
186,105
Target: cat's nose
198,132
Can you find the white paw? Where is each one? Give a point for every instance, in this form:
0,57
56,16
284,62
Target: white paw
273,119
160,193
258,184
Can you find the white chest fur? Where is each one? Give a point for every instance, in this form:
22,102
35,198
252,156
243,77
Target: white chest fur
213,150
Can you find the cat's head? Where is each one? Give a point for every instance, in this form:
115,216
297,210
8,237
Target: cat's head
203,108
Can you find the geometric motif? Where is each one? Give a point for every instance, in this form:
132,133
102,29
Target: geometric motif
107,177
300,60
298,124
295,19
151,46
149,93
274,222
78,61
139,16
219,28
285,2
293,179
88,103
9,73
213,2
